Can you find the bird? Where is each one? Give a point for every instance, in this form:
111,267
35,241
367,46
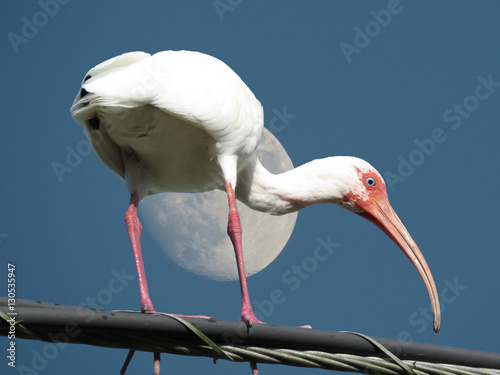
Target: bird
184,121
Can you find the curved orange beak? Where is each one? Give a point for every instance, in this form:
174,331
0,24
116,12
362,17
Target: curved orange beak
379,211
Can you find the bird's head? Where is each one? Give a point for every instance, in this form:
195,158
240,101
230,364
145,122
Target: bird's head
364,193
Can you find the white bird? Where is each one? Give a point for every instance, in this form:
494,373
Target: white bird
184,121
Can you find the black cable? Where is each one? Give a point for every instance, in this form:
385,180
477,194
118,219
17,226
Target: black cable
133,330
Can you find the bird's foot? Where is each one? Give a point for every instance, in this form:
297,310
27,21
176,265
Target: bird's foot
147,305
306,326
249,318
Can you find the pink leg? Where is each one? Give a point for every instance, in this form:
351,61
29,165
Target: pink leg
157,363
253,366
134,229
234,231
127,361
129,358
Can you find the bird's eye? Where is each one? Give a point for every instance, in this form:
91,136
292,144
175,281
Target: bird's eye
370,181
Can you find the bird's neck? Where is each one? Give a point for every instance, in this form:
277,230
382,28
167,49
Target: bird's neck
286,192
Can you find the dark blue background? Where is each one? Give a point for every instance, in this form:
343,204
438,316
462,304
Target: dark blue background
413,68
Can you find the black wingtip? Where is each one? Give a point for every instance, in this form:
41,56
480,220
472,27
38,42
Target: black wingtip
94,123
84,92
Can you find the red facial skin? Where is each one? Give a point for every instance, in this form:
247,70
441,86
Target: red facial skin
378,210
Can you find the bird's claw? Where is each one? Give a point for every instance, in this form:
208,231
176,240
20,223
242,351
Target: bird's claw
147,306
249,319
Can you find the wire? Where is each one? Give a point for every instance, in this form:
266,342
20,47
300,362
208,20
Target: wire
261,343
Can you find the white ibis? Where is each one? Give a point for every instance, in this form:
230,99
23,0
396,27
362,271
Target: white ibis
185,122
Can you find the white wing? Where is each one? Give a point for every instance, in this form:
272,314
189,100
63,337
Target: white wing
198,88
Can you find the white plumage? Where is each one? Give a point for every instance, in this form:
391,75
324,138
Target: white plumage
184,121
132,94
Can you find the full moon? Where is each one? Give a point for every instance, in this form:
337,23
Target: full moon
192,227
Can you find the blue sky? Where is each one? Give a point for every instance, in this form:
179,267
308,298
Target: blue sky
412,87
